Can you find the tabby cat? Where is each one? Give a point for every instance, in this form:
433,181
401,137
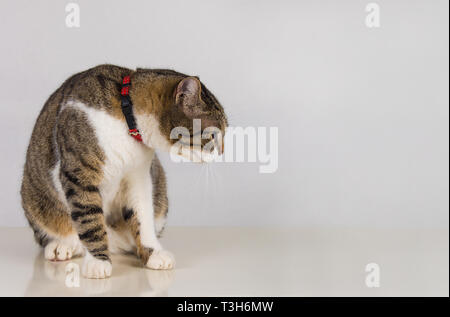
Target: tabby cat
89,188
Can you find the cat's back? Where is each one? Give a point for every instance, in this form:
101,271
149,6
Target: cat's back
95,87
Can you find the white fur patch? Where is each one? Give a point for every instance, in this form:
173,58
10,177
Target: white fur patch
141,201
161,260
125,158
94,268
151,136
61,249
123,153
57,184
120,242
160,223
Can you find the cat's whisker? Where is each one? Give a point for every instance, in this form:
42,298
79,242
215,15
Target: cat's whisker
208,185
214,178
213,183
207,177
205,192
198,179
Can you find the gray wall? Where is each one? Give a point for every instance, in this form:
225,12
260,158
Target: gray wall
362,113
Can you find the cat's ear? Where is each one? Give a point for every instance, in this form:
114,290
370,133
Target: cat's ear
188,92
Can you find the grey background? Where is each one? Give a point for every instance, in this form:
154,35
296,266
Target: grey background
362,113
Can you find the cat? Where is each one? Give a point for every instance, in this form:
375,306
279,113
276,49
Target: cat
92,184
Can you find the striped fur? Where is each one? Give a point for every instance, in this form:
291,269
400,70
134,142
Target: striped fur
88,187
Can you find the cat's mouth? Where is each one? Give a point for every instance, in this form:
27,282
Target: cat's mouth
206,152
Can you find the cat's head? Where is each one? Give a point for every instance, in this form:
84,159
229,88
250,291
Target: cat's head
191,119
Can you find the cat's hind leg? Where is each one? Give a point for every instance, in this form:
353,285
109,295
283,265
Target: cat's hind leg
81,175
51,225
58,244
48,216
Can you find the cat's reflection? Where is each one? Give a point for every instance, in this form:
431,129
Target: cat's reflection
129,279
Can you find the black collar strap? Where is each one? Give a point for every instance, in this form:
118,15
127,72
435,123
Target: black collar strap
127,109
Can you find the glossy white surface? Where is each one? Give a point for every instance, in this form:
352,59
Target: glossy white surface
247,262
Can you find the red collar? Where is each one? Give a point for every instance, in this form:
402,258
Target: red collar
127,109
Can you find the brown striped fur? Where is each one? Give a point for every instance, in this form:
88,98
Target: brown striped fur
66,136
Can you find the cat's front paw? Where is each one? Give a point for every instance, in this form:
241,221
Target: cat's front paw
94,268
161,260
